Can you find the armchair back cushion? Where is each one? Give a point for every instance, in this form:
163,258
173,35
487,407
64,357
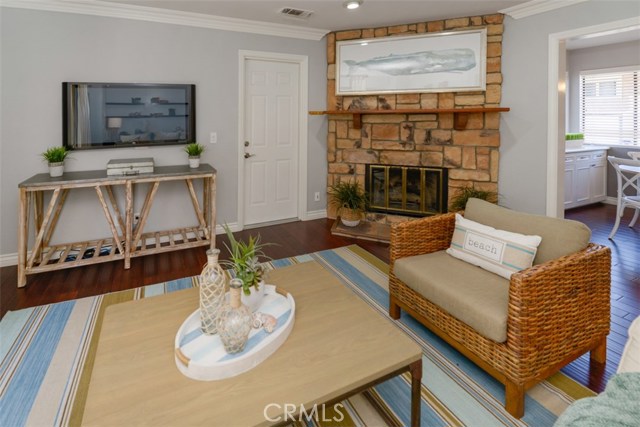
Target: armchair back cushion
560,237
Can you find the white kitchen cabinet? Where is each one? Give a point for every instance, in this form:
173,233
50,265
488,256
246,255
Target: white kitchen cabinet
585,178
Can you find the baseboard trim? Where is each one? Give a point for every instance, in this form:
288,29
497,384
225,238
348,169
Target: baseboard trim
319,214
9,259
611,201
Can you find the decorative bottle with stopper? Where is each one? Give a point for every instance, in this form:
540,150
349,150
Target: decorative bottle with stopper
212,289
234,320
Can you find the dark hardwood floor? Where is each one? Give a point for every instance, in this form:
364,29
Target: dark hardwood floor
304,237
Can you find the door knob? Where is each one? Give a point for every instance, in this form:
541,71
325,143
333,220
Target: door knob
247,155
246,143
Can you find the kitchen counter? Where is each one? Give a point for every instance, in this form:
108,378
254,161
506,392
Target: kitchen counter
586,148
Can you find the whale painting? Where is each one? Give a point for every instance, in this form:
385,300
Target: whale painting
433,62
437,61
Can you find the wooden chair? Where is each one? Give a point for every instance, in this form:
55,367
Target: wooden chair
628,175
557,310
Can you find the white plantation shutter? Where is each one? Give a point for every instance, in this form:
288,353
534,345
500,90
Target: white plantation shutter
609,106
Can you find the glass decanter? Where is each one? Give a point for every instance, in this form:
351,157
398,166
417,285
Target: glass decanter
234,320
212,289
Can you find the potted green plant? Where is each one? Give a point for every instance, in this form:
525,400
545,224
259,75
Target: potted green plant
245,261
459,200
350,200
574,140
55,156
194,150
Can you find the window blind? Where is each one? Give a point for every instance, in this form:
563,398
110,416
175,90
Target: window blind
609,106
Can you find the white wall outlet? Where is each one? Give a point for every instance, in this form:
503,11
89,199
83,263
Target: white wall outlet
316,196
213,137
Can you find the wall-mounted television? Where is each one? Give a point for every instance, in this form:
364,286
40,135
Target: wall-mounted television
110,115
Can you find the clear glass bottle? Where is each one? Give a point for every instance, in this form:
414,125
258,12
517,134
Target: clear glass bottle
212,289
234,320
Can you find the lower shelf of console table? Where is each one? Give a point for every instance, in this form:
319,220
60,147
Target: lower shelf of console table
127,240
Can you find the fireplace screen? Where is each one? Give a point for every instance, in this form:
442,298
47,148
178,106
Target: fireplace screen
415,191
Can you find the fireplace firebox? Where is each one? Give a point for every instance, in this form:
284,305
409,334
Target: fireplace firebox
406,190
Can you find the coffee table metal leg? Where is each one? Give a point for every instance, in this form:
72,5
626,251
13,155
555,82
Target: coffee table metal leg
416,383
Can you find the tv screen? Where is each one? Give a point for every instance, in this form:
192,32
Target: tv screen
108,115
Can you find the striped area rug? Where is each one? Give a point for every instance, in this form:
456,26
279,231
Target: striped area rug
47,355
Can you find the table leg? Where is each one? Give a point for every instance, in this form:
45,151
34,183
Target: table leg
211,208
23,222
416,384
128,223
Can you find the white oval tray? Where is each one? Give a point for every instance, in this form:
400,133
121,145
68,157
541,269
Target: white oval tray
202,357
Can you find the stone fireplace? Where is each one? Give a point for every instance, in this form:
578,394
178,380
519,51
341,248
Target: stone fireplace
406,190
467,149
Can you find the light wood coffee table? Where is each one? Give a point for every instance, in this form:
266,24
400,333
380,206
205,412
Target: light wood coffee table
339,346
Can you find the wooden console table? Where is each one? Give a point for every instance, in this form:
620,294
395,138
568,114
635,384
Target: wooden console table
127,240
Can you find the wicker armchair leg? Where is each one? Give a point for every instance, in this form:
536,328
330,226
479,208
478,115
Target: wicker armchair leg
599,352
394,308
514,399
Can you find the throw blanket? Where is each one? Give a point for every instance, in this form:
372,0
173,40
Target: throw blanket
617,406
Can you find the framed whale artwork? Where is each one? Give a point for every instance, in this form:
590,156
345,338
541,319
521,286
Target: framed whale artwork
452,61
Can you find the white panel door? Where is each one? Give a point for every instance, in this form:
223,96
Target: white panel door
271,141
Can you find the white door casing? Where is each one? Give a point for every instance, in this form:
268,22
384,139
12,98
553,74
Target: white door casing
273,134
556,123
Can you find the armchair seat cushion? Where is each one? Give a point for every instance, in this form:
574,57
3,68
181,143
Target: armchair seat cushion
470,294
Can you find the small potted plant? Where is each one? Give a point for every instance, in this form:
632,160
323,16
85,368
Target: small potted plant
55,156
350,200
574,141
463,194
194,150
245,261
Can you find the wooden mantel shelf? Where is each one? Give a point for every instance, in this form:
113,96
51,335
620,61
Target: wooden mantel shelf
460,115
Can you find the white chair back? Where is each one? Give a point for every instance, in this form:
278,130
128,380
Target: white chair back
628,175
635,155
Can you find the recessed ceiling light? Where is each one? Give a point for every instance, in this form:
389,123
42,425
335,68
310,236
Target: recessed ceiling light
352,4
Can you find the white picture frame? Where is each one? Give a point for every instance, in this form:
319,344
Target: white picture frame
452,61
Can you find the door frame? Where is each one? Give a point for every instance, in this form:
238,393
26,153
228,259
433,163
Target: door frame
555,168
303,94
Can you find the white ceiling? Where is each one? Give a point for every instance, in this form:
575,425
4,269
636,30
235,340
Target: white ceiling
331,14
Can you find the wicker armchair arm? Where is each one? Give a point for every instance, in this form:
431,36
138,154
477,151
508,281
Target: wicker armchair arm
556,306
422,236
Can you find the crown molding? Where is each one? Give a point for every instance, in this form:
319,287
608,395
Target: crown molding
166,16
535,7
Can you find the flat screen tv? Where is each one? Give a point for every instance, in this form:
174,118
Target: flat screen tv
109,115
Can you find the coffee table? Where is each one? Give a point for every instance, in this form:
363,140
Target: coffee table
339,346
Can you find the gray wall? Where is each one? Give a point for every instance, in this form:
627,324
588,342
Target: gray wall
595,58
42,49
523,163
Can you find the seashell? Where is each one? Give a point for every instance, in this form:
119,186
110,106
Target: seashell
269,322
264,320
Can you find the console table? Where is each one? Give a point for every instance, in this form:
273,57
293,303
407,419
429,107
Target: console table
127,240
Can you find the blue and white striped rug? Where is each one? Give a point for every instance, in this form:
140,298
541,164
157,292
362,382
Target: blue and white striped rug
47,355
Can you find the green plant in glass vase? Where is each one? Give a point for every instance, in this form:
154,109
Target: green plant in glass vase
246,260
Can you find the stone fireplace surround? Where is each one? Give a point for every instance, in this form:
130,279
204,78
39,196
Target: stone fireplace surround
470,155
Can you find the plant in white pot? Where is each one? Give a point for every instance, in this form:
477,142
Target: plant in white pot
350,200
194,150
55,156
245,261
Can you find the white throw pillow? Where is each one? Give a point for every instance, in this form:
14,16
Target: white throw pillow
498,251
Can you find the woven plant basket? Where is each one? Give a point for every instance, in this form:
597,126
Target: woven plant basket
350,217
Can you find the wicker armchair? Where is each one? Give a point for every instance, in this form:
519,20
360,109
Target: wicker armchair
557,311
